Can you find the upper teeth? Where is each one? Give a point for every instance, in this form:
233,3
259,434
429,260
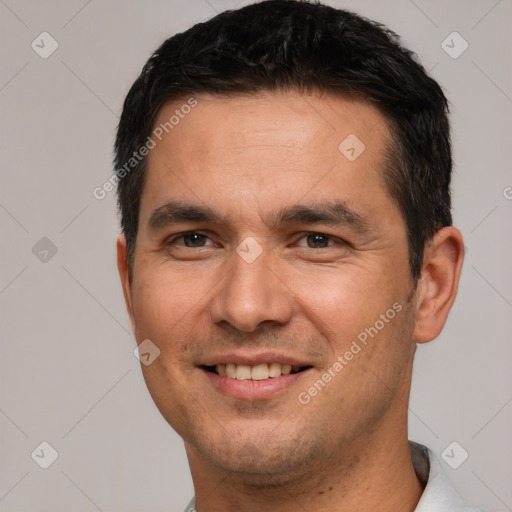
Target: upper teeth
258,372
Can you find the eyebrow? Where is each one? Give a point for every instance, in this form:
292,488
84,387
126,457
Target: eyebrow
334,214
175,211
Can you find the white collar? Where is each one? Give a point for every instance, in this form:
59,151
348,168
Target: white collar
439,494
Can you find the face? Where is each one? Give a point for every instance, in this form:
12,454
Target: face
271,271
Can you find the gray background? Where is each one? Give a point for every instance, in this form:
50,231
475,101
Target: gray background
68,375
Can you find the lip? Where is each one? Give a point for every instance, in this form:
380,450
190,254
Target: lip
249,390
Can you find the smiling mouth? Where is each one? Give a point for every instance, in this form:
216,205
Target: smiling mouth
262,371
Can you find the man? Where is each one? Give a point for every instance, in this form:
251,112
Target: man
284,174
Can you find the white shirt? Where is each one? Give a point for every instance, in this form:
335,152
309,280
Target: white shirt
439,494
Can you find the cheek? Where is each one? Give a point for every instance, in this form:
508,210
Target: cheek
164,298
343,301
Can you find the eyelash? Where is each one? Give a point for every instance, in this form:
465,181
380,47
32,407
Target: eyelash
336,240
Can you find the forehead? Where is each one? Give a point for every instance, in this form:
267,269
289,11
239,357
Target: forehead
271,146
303,121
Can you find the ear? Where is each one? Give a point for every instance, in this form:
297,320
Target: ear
122,266
437,287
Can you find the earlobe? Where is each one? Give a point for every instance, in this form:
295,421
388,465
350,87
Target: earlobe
437,288
122,266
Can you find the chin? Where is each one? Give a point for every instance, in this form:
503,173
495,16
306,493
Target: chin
256,459
259,469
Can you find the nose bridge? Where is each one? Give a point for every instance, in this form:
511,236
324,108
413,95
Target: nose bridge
251,293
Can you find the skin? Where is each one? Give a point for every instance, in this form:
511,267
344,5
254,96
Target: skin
249,157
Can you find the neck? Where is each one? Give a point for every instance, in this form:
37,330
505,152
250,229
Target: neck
374,476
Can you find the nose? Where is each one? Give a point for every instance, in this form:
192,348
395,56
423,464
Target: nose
250,295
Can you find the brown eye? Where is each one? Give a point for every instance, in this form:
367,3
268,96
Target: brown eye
317,240
191,239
